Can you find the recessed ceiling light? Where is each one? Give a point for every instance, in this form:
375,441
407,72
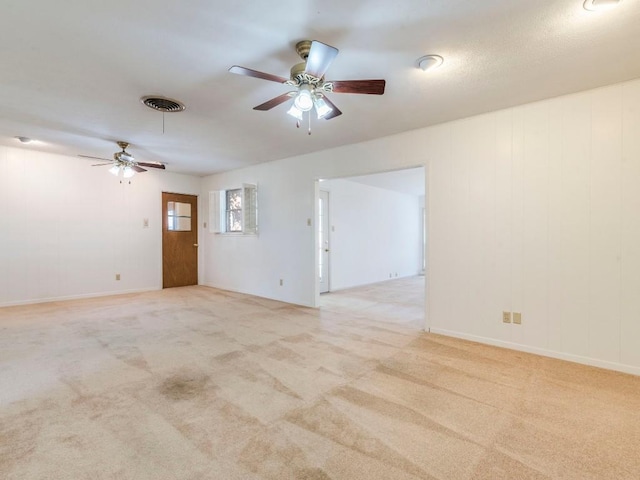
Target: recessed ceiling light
595,5
430,62
24,139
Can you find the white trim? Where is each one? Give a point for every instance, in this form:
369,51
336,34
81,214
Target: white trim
78,297
592,362
315,238
227,289
426,231
350,287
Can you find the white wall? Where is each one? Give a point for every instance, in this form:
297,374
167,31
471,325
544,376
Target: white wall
533,209
375,234
67,228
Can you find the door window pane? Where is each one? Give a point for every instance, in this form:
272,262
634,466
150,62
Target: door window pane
179,216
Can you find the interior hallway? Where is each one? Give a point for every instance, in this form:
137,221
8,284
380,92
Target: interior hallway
197,383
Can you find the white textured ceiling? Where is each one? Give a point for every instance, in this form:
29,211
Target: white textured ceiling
72,71
410,181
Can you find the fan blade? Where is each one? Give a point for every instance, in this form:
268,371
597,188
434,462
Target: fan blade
151,165
101,164
319,59
95,158
370,87
138,169
274,102
256,74
335,111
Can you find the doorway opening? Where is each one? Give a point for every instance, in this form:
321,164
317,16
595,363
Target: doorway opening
371,242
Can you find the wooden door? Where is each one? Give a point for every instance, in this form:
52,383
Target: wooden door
179,240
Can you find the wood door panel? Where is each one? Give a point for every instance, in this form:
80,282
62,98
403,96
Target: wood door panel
179,249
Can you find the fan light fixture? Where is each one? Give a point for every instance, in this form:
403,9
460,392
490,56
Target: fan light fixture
322,109
598,5
128,172
295,112
303,100
115,170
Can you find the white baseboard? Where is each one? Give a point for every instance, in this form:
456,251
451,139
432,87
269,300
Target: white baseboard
593,362
227,289
341,288
34,301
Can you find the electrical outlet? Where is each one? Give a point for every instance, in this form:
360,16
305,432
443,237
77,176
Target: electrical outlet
145,223
308,222
117,276
506,317
281,282
517,318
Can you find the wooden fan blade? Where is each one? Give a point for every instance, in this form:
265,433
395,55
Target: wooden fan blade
256,74
138,169
151,165
95,158
101,164
274,102
335,111
319,59
370,87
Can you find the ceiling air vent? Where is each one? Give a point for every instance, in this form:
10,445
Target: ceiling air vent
163,104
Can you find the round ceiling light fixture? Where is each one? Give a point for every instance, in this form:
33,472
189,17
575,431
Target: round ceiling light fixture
598,5
430,62
163,104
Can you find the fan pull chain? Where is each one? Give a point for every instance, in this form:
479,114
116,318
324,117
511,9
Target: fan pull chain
309,122
163,123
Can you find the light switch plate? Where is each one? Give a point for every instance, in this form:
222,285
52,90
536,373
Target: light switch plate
506,317
517,318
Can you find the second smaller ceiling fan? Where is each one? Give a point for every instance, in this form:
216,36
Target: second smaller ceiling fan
123,162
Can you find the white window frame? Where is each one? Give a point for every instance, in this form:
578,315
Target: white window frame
218,209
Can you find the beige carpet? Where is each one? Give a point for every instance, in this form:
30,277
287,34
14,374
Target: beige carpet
196,383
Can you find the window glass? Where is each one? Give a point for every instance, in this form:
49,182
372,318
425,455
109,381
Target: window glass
234,210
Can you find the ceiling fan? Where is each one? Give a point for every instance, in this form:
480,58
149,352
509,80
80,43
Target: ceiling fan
125,162
310,86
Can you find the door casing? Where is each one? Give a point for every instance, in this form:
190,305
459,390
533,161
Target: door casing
324,245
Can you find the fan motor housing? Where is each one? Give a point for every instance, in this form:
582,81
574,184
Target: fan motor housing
303,48
298,69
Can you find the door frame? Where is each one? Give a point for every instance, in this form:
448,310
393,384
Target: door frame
328,238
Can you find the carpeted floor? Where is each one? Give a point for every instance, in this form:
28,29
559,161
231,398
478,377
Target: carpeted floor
196,383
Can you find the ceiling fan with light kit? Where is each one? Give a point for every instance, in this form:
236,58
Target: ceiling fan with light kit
125,163
311,87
